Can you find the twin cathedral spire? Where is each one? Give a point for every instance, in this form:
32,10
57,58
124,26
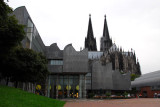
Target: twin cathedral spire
90,41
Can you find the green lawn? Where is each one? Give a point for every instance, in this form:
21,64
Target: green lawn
12,97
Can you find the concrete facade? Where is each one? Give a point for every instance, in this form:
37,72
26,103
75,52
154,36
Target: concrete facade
102,76
121,81
54,53
75,62
33,39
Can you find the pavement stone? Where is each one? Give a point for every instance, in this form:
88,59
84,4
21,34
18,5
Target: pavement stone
136,102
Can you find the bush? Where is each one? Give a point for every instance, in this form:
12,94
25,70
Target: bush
125,94
118,94
90,95
108,94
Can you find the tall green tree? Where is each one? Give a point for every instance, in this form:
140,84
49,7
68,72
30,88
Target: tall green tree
26,65
11,33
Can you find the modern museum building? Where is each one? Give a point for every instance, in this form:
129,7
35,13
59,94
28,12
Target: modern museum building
75,74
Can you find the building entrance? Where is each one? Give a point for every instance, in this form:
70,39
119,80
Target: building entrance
65,86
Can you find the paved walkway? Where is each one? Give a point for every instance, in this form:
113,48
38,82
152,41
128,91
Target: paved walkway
141,102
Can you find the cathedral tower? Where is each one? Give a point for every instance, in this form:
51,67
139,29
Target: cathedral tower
90,41
106,42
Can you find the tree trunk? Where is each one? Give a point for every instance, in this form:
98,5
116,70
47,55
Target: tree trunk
29,84
34,87
7,80
16,84
23,86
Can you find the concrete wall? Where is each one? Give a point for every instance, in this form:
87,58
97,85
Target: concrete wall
55,68
22,16
121,81
73,61
101,76
53,52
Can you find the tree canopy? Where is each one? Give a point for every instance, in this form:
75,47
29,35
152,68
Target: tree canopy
11,33
26,65
134,76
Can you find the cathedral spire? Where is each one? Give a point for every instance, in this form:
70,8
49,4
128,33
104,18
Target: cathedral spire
105,29
106,42
90,30
90,41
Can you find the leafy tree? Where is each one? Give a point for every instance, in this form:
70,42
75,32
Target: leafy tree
108,94
125,94
91,95
134,76
11,33
26,65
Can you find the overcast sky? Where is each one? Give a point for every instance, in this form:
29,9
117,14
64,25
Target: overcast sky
132,24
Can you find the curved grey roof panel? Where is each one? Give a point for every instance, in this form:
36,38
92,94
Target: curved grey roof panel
53,52
149,79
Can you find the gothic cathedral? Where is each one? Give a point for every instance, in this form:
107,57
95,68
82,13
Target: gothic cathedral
124,61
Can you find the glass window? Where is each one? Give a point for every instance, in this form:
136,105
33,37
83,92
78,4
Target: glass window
65,81
70,77
88,74
35,31
30,24
76,76
70,81
61,77
29,35
76,81
88,81
27,43
56,62
61,81
30,29
66,76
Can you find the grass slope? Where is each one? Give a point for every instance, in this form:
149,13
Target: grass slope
12,97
